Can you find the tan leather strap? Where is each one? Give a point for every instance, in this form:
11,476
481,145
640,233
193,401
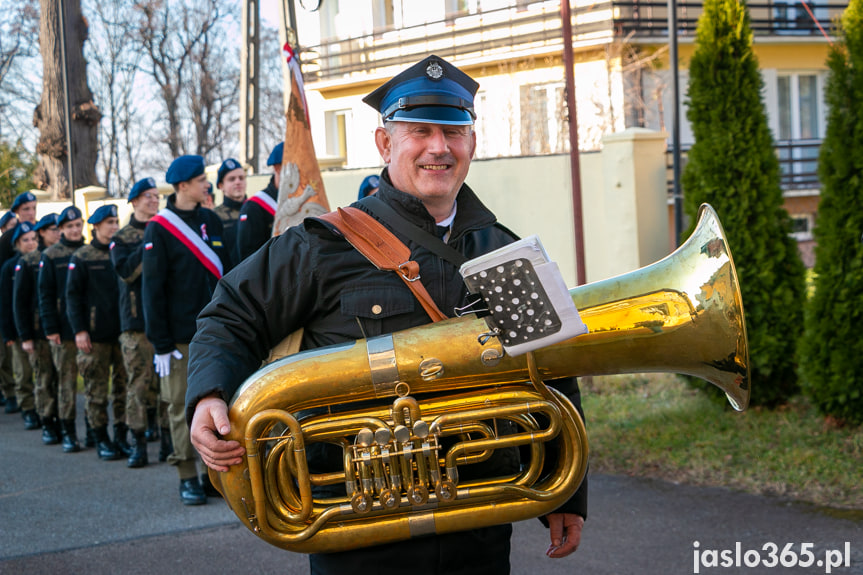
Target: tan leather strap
384,250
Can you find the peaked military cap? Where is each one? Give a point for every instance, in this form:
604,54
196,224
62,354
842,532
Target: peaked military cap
140,187
21,199
102,212
9,215
21,229
69,214
276,154
432,91
184,169
46,222
230,165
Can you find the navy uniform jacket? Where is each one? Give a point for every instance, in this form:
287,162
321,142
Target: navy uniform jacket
176,285
92,295
25,299
255,225
7,280
229,212
53,270
127,254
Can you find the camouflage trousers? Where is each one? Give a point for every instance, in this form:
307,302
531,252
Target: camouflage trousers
46,378
7,382
96,370
65,362
174,391
142,384
23,377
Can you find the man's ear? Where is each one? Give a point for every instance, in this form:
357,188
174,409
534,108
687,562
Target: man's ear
384,144
472,143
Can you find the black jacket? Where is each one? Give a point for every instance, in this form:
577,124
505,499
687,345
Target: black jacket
127,254
229,212
7,280
25,298
176,285
255,224
92,294
53,270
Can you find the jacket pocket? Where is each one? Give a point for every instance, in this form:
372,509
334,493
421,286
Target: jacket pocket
378,308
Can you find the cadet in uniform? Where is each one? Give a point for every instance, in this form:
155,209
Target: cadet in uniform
184,257
24,209
7,382
310,277
24,241
33,342
231,179
255,225
127,251
53,270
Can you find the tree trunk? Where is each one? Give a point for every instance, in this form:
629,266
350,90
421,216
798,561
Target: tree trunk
50,115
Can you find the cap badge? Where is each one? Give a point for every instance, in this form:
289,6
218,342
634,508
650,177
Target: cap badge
434,71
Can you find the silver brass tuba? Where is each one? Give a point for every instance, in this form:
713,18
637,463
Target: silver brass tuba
410,410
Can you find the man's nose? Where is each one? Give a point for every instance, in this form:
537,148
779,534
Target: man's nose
437,142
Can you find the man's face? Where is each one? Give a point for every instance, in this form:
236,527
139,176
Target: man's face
74,230
27,212
27,243
147,203
196,188
429,161
106,229
233,185
277,174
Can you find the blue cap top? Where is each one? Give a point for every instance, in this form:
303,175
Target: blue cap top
140,187
46,222
369,184
432,91
102,212
184,169
10,215
68,215
21,199
228,165
21,229
276,154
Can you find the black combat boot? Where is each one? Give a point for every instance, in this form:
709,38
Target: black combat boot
90,437
12,405
104,445
167,446
121,443
49,431
70,436
31,419
138,457
152,432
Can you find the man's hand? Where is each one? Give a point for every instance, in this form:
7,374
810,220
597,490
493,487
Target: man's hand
27,346
209,423
82,341
53,338
565,531
162,361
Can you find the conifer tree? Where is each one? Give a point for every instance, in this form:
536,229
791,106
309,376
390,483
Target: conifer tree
832,347
733,167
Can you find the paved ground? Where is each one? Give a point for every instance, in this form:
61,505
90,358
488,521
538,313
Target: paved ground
71,513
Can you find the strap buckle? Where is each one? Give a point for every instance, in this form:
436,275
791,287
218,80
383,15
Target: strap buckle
405,271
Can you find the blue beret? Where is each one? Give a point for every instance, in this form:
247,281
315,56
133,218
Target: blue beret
369,183
68,215
22,198
102,212
229,165
140,187
432,91
10,215
46,222
210,188
184,169
21,229
276,154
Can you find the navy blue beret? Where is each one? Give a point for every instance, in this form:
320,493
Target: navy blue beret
10,215
140,187
229,165
276,154
68,215
432,91
369,184
102,212
210,188
46,222
21,199
184,169
21,229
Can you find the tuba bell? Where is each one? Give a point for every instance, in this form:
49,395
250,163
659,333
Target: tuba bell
412,410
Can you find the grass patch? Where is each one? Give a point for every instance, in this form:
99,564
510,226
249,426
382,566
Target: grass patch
654,425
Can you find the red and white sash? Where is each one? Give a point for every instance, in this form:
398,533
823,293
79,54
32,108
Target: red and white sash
264,200
199,248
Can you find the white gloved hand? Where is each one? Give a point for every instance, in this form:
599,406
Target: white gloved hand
163,362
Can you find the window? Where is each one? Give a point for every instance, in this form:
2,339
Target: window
801,226
383,14
337,133
800,110
542,120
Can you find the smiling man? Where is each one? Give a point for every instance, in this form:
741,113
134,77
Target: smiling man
310,277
